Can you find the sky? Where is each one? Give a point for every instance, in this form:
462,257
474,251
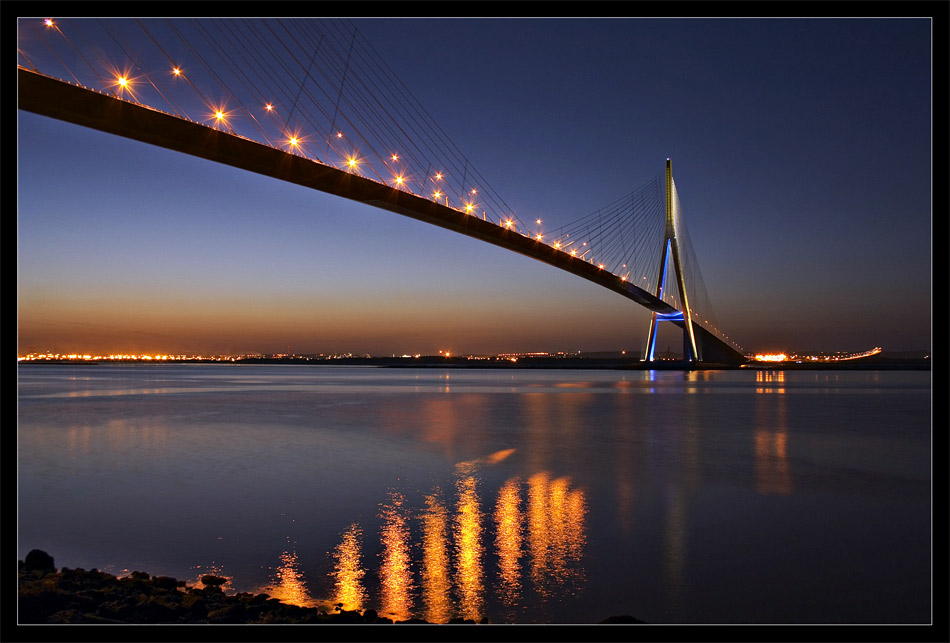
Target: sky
801,148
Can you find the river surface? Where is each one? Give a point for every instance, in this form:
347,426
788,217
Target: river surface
522,496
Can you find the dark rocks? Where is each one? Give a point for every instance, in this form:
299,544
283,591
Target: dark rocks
77,596
38,561
213,581
622,619
73,596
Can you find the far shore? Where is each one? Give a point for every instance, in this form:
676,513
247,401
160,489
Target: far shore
874,363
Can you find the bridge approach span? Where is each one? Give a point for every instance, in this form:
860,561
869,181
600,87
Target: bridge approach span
58,99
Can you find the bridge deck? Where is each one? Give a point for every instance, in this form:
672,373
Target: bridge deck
61,100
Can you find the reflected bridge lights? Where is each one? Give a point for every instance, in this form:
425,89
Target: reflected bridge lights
535,530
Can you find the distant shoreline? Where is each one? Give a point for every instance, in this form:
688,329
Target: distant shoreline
544,363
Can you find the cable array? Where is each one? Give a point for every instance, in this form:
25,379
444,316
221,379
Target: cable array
318,89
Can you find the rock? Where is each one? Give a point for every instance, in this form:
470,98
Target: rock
623,618
38,561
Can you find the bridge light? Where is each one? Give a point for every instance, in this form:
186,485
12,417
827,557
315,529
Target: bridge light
573,252
469,207
509,223
48,22
474,191
399,180
293,141
395,157
269,107
351,162
538,237
176,71
438,176
339,134
557,245
437,194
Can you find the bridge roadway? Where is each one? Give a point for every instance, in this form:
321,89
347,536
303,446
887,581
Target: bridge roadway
71,103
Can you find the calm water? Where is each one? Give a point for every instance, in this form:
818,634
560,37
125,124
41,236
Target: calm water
523,496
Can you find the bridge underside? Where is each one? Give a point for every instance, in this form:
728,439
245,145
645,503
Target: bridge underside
60,100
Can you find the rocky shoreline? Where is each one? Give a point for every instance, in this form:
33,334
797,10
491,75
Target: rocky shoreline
77,596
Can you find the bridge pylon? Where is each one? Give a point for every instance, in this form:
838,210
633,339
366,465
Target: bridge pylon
671,252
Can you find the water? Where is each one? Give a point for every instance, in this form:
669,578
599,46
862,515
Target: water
520,496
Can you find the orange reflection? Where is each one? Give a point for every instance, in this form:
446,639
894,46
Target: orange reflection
470,466
770,381
556,531
395,572
772,474
550,528
538,526
291,587
508,539
436,570
468,548
348,572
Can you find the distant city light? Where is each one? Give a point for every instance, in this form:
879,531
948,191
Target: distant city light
814,358
765,358
771,357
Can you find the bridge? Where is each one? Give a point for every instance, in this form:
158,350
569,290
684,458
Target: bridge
637,246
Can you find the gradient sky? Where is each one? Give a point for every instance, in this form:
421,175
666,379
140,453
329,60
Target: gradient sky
801,150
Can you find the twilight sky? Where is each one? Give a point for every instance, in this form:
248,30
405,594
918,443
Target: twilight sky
801,150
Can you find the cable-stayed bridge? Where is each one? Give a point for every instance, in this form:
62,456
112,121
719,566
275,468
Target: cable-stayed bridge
310,102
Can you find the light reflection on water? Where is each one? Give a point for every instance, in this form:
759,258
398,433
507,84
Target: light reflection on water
501,495
450,554
348,570
395,570
436,567
509,529
290,586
